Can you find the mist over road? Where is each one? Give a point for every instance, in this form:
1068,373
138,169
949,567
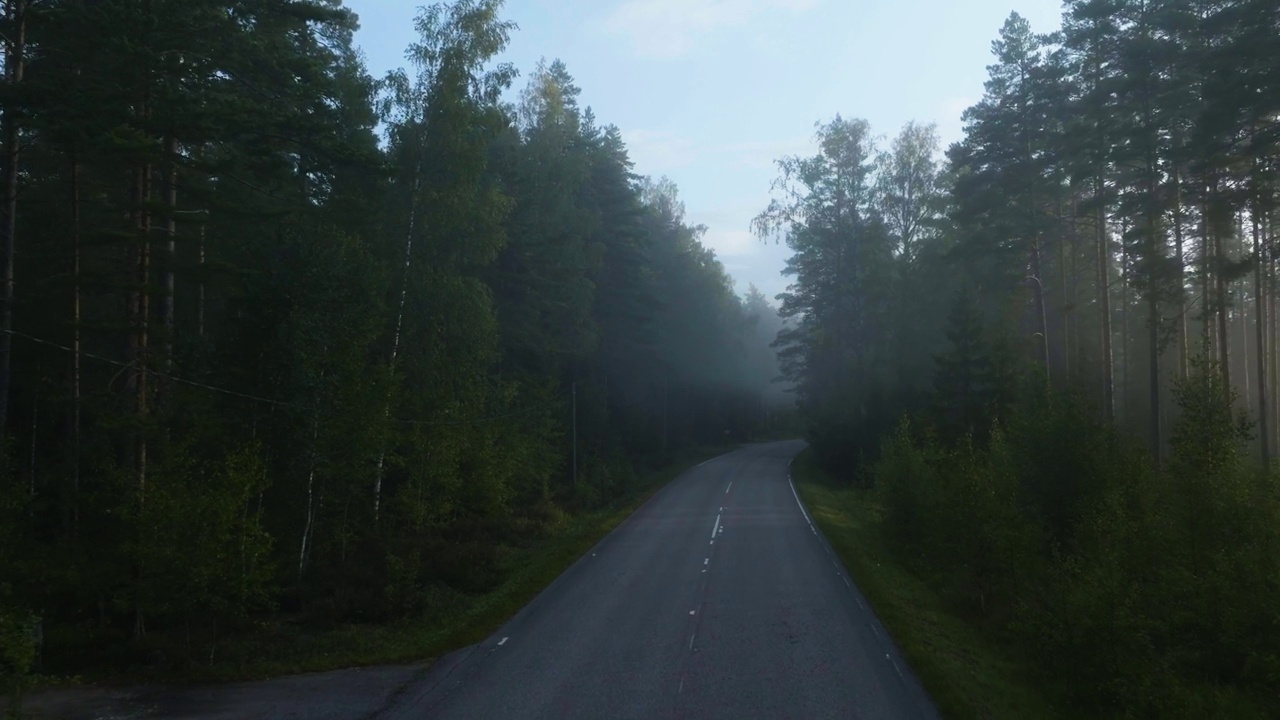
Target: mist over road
717,599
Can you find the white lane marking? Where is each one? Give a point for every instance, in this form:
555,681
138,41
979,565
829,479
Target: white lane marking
855,597
896,668
503,641
876,630
715,528
726,490
849,584
706,560
692,612
797,497
704,462
681,686
691,637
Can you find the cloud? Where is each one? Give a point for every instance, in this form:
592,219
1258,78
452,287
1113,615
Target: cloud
950,126
728,242
761,154
657,152
670,28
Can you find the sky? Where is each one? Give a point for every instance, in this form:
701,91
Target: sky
710,92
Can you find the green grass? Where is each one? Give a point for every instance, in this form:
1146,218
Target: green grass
964,671
459,619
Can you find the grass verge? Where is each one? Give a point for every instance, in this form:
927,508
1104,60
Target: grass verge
963,670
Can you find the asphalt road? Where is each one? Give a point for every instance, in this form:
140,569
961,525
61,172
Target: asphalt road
717,599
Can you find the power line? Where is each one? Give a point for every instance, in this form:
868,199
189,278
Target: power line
278,403
490,418
166,376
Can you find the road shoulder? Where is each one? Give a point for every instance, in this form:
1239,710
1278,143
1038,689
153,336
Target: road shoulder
963,673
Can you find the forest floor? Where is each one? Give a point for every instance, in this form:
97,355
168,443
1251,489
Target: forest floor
965,672
400,650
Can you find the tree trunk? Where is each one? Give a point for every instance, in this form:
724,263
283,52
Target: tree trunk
1155,250
1273,332
139,315
1181,276
308,527
1224,329
75,346
1065,307
1207,333
35,431
14,65
1153,367
171,231
1124,327
200,289
1041,316
1243,315
1260,325
395,343
1104,305
1078,361
139,321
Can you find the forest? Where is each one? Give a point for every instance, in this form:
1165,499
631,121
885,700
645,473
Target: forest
284,342
1050,354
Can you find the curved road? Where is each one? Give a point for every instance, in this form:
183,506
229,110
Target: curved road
717,599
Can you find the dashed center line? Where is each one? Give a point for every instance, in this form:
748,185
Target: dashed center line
715,528
503,641
726,490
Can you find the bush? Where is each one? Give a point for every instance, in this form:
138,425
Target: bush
1132,591
18,648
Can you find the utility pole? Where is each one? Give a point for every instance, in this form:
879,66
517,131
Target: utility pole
575,435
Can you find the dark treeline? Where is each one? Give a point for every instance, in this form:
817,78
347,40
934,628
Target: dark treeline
280,338
1052,354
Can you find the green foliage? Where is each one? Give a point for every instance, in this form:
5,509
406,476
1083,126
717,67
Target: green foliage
966,671
18,652
274,372
974,383
1129,591
203,555
1027,306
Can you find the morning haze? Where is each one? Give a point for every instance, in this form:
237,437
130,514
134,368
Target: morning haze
639,359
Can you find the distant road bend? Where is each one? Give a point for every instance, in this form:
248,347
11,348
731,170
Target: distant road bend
717,599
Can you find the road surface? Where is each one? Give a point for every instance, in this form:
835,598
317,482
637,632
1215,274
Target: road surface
716,599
